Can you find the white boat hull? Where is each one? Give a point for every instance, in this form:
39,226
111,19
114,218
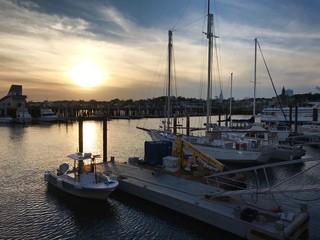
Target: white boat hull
6,119
221,154
86,188
47,115
23,116
236,156
287,152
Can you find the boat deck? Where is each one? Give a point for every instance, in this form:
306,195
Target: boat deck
207,203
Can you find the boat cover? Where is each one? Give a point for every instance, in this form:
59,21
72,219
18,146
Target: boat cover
80,156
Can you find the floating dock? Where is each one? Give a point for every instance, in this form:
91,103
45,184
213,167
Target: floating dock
248,213
211,204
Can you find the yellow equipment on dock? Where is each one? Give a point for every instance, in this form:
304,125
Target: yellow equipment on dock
182,144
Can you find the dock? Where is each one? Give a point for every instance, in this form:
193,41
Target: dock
209,204
252,216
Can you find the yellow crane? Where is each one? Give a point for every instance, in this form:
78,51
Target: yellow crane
182,144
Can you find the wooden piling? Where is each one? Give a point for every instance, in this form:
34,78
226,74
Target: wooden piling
290,117
188,125
80,119
104,141
296,120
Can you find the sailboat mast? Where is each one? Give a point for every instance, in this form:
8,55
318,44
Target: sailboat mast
169,78
255,78
231,96
209,90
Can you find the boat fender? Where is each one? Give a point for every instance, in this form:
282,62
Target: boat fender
244,146
237,146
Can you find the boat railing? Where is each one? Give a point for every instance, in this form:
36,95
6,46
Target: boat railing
305,139
262,183
227,182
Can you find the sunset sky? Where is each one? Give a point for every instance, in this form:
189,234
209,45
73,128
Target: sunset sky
107,49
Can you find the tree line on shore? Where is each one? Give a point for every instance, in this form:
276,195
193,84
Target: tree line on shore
242,106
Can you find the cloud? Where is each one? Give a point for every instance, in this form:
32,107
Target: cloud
41,42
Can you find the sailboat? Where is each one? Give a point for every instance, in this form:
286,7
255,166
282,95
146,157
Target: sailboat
274,137
166,134
282,151
248,150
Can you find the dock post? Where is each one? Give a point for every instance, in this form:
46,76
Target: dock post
226,119
104,139
315,114
188,125
80,134
296,120
219,116
290,117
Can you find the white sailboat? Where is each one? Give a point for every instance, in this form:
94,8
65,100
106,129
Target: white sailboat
275,138
251,150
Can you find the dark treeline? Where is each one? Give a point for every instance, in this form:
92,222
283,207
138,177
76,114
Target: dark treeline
155,107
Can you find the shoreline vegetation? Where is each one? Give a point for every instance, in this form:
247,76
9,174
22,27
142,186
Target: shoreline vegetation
154,108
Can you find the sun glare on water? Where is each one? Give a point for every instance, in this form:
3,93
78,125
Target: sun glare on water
87,74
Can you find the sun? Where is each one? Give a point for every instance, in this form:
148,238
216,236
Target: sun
87,74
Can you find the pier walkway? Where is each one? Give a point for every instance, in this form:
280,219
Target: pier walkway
203,202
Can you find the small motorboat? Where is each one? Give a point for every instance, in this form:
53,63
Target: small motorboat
83,180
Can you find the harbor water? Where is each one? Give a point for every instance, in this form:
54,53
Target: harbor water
30,209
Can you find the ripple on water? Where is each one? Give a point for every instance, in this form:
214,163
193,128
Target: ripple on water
30,209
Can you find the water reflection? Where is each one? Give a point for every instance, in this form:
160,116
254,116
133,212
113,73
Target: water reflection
82,218
31,210
89,136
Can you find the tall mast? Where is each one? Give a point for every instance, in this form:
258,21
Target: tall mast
255,78
169,78
231,97
209,90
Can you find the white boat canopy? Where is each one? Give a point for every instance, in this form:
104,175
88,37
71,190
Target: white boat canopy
82,156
